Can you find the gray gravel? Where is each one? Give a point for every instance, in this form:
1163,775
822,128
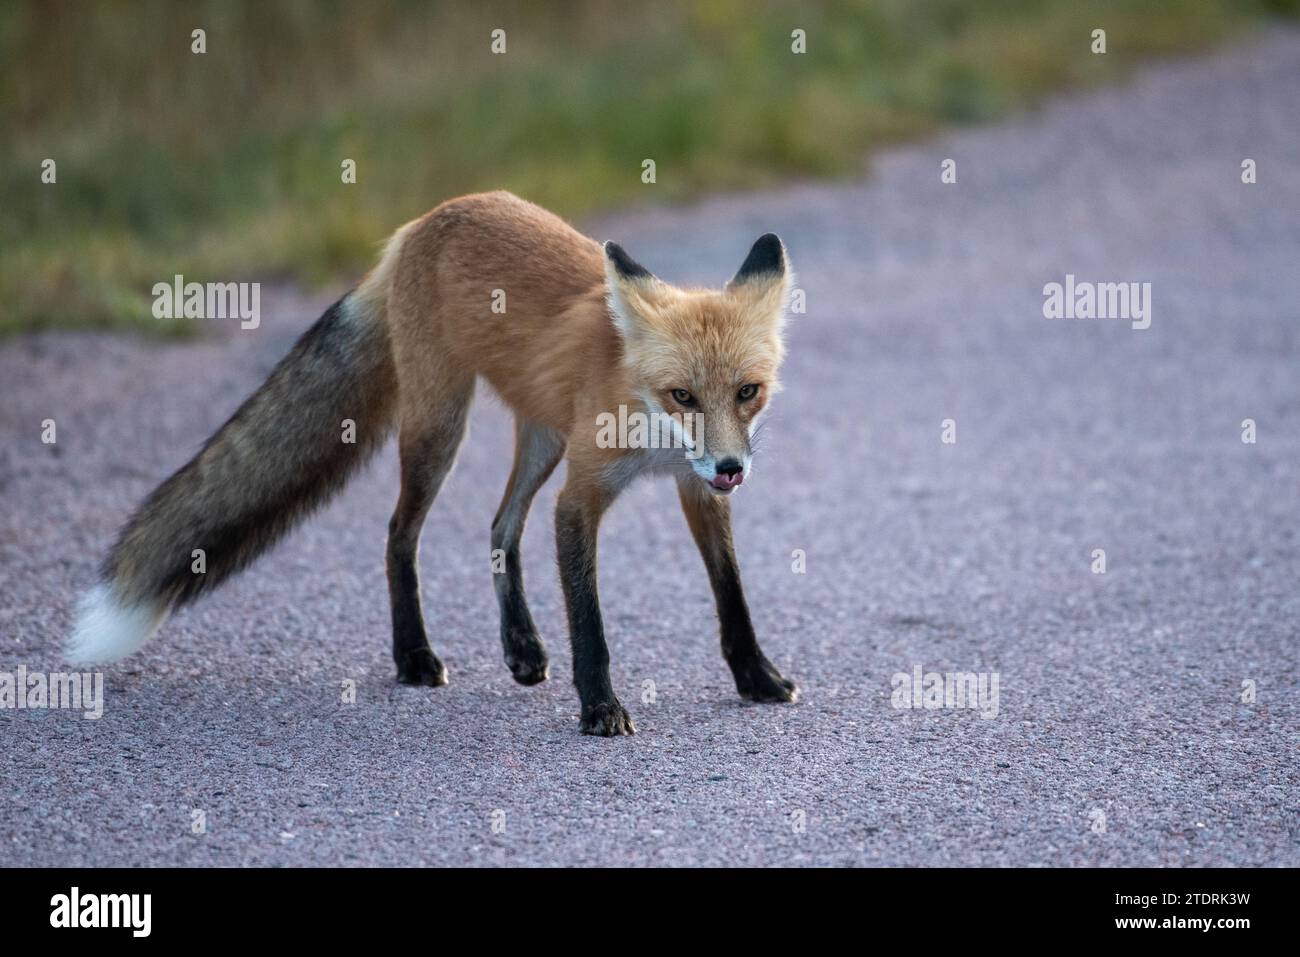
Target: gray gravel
1120,693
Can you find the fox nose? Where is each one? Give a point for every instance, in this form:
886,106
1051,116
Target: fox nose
730,474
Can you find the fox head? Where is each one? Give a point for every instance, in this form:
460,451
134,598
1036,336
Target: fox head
704,353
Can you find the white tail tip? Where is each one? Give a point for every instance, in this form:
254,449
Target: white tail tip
108,629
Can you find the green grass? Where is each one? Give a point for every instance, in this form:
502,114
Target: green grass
226,165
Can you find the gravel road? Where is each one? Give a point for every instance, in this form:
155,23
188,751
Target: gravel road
1121,737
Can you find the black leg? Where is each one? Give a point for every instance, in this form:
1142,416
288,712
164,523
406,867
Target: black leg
538,450
576,527
416,662
709,518
524,652
426,459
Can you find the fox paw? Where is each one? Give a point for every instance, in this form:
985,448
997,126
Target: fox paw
758,680
606,720
526,659
421,667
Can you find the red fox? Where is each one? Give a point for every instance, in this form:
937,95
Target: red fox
585,331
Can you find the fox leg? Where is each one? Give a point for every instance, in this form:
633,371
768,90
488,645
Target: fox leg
577,519
709,518
538,450
428,447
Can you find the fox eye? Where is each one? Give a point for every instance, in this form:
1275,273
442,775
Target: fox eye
682,397
747,392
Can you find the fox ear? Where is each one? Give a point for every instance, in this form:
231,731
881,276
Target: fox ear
764,279
631,289
766,260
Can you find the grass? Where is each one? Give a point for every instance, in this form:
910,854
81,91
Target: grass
226,165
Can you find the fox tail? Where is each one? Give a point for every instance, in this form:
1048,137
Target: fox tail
281,455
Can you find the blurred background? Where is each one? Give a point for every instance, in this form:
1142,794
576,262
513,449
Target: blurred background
227,164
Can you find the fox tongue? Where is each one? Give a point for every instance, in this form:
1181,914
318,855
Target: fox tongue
728,481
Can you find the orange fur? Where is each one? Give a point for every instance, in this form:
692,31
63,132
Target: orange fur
555,356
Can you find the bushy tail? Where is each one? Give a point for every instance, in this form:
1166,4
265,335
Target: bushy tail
282,454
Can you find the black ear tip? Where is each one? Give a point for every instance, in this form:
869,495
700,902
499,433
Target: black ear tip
767,255
769,245
624,265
